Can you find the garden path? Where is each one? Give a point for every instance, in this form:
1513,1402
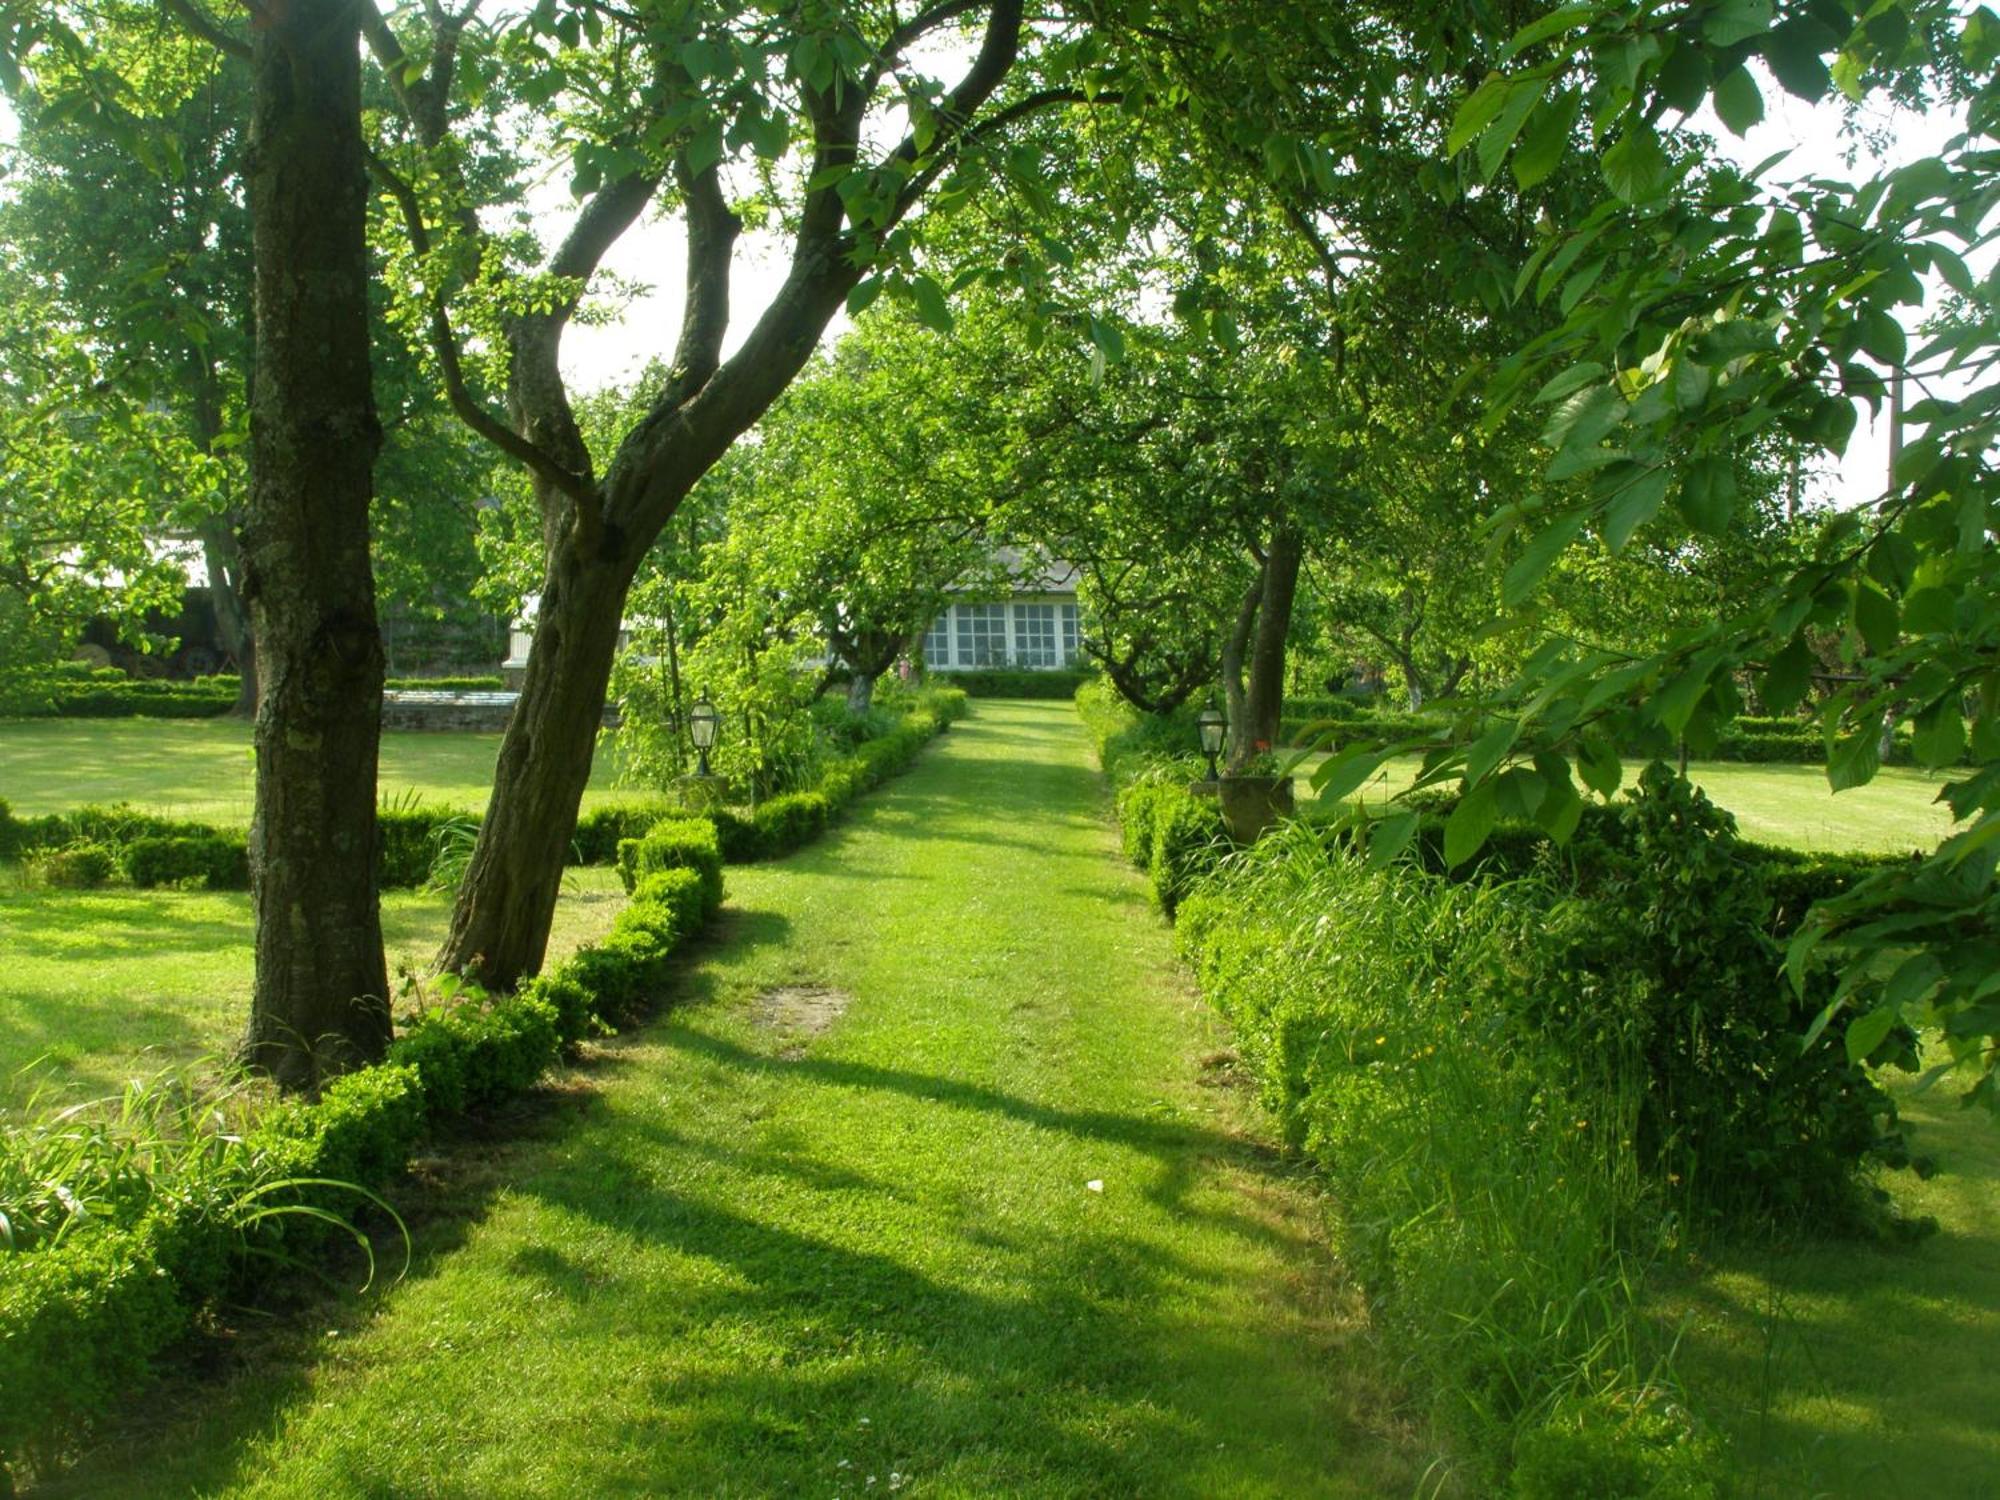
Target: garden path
938,1183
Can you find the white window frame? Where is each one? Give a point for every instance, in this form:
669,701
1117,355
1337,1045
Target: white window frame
940,629
1045,652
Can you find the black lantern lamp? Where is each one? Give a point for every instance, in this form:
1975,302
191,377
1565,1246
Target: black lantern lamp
1213,726
703,721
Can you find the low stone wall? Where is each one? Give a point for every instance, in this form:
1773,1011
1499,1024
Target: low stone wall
483,713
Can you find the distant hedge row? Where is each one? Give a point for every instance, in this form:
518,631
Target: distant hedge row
1331,723
76,690
89,846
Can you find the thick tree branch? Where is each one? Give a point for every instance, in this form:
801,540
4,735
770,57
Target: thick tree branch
205,26
444,342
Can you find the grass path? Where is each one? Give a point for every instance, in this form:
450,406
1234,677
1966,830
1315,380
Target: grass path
830,1229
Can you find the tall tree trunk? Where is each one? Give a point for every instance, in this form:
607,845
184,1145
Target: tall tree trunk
1264,697
500,926
321,1002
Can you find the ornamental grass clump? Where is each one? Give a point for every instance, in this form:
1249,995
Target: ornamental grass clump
1492,1200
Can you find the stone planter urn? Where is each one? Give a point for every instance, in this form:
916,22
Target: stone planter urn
1251,804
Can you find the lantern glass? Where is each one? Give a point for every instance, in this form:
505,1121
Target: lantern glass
702,723
1212,725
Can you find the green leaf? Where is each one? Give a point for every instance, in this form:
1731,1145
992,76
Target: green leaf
1564,18
1523,95
1636,168
932,309
1938,737
1107,337
1736,21
1855,760
1877,618
1674,704
1537,558
1477,112
1569,381
1341,775
862,295
1633,506
1390,837
1598,764
1739,103
1490,749
1793,54
704,148
1865,1033
1708,495
1786,677
1546,140
1466,831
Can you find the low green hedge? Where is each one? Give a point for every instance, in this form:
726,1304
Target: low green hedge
1016,682
673,844
214,862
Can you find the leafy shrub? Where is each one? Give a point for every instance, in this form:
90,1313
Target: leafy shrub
11,833
215,862
675,844
490,683
736,835
600,831
81,866
1491,1200
412,837
1600,1449
115,826
81,1329
791,821
474,1053
1188,843
1008,682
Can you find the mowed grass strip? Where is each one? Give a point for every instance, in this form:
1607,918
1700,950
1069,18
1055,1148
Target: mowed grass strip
108,985
934,1185
205,769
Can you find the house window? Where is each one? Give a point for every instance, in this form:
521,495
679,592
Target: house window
1035,635
982,635
937,642
1070,647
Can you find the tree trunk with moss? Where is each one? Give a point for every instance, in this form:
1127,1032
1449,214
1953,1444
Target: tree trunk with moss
320,1004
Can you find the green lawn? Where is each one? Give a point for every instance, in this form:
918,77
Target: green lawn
1859,1372
833,1228
1780,804
203,768
105,985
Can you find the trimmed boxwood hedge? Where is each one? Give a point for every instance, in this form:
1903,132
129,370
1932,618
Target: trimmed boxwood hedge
1016,682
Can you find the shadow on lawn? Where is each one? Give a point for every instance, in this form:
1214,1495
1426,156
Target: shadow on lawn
1065,1380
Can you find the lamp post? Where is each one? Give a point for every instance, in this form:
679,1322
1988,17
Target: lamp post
1212,725
703,721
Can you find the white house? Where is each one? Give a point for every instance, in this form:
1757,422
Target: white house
1035,625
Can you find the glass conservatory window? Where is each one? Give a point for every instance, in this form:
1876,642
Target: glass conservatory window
1035,635
982,635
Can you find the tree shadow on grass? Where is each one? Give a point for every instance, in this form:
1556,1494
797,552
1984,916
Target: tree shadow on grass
1064,1384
